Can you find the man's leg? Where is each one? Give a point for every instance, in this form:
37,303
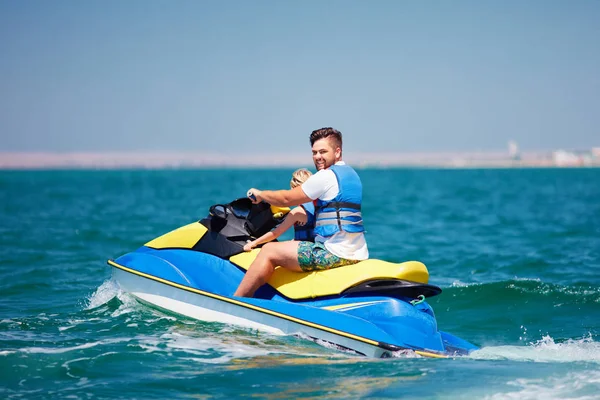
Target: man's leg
284,254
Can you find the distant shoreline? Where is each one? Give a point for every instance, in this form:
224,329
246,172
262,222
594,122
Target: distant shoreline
191,160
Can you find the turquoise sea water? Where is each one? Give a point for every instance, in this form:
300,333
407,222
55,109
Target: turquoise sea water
517,253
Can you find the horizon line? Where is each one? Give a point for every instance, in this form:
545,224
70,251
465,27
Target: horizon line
191,159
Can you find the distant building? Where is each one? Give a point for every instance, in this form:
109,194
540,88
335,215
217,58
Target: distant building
513,150
563,158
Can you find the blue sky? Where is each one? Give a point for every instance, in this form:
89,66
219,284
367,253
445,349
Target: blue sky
241,76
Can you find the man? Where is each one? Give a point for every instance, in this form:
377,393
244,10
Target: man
337,192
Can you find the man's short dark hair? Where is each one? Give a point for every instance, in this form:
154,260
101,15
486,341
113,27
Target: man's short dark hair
325,133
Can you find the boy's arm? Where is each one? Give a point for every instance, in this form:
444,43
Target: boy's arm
293,217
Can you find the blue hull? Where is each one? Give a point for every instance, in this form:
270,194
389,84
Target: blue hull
353,320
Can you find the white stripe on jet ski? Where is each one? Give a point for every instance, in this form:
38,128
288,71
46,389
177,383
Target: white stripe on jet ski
352,306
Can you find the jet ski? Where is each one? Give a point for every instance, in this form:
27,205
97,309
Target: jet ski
374,308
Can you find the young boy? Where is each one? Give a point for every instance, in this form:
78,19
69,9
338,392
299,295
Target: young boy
302,218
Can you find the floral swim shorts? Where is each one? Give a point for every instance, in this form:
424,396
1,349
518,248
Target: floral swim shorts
315,257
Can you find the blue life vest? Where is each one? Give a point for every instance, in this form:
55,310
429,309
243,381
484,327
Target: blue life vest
306,232
341,213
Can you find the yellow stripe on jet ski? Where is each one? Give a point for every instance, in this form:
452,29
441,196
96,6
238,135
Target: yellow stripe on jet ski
181,238
431,355
305,285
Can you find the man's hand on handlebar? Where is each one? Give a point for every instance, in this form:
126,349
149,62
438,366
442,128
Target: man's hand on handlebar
254,195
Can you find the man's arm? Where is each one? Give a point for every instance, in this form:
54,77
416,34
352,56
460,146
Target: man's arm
281,198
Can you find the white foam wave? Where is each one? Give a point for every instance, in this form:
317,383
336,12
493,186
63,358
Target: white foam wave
67,365
405,354
215,349
229,347
10,322
59,350
545,350
103,294
48,350
75,322
106,292
526,279
459,284
544,288
582,385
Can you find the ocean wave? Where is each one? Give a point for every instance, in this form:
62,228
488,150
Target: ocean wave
524,288
105,292
103,296
221,347
58,350
580,385
67,349
538,287
545,350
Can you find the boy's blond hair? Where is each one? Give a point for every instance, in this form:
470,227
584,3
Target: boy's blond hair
299,176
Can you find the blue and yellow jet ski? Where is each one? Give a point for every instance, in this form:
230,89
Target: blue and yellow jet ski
374,308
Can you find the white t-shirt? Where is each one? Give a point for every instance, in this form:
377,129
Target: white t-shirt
324,186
